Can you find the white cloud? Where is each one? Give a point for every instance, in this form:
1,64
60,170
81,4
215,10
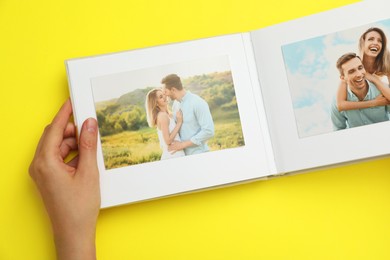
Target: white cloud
309,59
313,120
312,95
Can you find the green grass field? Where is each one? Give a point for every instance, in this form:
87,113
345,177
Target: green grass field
135,147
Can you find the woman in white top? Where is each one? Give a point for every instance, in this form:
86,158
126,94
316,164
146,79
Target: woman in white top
158,116
375,57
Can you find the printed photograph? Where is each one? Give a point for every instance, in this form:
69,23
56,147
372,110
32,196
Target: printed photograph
340,80
167,112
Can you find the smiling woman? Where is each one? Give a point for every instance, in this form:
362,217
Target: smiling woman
374,52
375,59
159,116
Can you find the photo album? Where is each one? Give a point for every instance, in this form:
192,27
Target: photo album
183,117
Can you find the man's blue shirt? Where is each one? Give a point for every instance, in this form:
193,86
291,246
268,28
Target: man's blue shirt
359,117
198,125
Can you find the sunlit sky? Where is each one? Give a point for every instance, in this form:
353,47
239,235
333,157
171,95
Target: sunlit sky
113,86
313,77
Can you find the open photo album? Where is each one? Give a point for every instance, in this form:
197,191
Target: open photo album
308,93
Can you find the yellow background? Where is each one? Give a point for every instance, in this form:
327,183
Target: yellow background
338,213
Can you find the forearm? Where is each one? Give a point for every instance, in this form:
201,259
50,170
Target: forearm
206,124
341,96
383,89
204,135
353,105
173,134
186,144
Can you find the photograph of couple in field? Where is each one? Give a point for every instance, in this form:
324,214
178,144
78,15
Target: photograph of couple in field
341,80
166,112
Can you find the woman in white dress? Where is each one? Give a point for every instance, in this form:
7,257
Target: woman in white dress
158,116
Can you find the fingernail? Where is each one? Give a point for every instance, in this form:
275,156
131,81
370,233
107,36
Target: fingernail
91,125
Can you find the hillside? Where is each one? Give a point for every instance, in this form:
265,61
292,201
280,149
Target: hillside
128,111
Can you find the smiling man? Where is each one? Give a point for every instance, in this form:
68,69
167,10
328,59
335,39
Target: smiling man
359,89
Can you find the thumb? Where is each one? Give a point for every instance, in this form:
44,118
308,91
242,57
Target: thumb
87,146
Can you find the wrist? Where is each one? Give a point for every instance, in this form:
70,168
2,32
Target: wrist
75,245
75,242
186,144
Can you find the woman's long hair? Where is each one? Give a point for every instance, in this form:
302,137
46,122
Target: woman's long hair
151,107
382,61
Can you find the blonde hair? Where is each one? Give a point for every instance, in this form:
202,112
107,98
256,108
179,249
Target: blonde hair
151,107
382,61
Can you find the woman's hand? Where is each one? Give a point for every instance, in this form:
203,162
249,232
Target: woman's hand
371,77
381,101
70,191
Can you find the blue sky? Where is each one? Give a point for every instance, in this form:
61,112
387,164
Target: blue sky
313,77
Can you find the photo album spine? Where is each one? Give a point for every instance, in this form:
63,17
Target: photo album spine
257,93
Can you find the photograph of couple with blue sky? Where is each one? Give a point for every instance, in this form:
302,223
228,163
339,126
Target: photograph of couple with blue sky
140,117
314,79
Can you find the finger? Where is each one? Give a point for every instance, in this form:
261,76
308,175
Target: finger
55,131
87,147
70,130
63,115
67,145
74,162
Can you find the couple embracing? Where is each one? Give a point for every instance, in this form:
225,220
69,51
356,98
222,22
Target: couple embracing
363,95
187,129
